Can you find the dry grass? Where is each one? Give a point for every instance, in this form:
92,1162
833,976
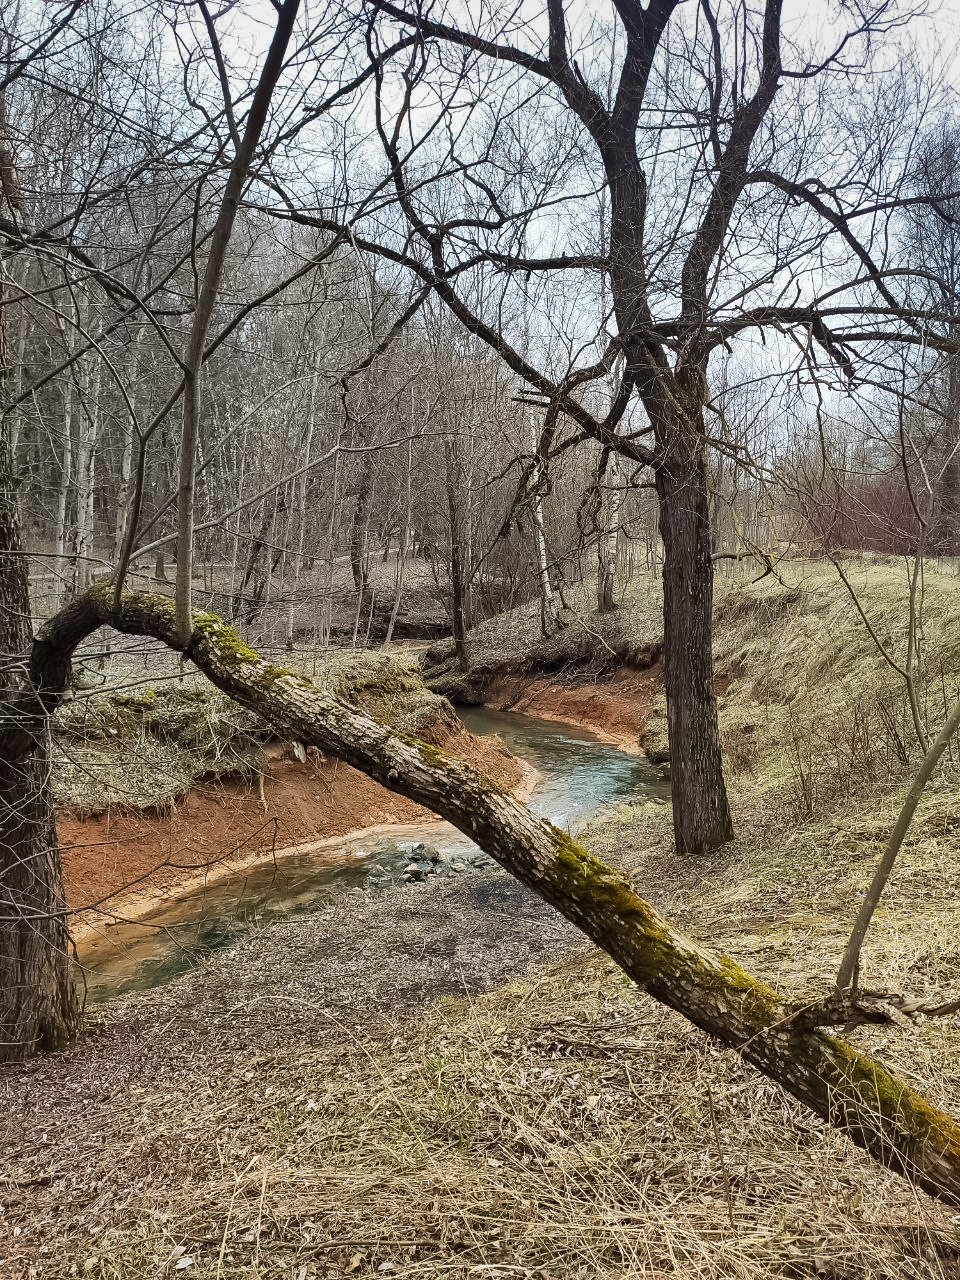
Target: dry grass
141,736
563,1125
586,639
144,749
804,689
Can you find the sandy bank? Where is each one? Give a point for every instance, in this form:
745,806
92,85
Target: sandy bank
614,708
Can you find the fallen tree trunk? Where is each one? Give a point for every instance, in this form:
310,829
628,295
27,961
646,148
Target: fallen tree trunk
851,1090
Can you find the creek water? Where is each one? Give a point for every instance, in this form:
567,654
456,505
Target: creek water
577,774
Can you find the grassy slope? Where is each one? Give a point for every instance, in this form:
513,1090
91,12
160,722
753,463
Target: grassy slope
566,1126
138,742
819,745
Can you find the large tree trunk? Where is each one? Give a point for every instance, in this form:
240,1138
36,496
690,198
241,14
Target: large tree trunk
850,1089
38,1003
701,814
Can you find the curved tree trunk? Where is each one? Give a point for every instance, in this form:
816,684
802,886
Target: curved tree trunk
850,1089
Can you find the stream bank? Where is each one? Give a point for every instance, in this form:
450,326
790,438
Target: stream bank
121,861
131,862
570,776
192,793
616,707
602,672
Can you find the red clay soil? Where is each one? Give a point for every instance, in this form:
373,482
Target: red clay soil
137,859
143,857
615,710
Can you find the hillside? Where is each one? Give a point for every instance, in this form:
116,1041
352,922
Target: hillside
360,1092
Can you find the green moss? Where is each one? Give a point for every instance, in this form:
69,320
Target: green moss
653,948
428,754
895,1102
271,674
230,646
144,702
234,651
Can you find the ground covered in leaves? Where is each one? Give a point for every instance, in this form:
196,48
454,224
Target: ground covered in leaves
443,1081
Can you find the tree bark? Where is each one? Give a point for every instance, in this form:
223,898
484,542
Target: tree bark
458,554
946,524
207,299
38,1003
701,812
851,1090
608,537
403,548
63,494
87,442
359,558
39,1009
548,608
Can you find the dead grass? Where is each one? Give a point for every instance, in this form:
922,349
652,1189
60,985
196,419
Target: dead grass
804,690
141,736
587,640
144,749
563,1126
239,1123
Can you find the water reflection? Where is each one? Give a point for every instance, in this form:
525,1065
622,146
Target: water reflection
579,772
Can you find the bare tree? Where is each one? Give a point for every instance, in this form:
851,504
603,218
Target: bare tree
502,199
783,1040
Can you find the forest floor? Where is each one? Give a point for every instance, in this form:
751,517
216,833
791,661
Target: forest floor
446,1081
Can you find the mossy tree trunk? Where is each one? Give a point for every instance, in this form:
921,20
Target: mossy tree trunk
851,1090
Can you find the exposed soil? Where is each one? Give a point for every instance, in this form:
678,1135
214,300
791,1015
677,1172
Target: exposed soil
139,859
615,707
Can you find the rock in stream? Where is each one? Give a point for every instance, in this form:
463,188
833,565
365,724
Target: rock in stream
410,864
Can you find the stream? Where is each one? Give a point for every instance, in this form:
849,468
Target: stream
577,774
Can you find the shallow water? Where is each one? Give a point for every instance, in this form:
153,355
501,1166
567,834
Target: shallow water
578,774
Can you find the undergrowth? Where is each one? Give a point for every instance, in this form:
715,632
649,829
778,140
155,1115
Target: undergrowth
561,1127
566,1125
